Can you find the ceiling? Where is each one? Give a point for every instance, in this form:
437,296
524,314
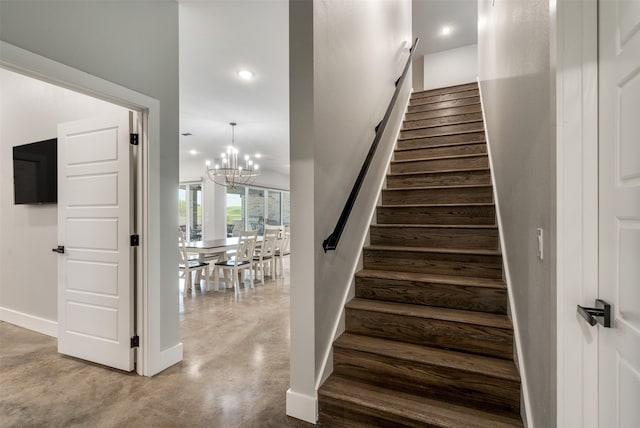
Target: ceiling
219,38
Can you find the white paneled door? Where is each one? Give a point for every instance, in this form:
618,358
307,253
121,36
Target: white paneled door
619,216
95,273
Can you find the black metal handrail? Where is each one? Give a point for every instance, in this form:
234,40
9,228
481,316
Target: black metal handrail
332,241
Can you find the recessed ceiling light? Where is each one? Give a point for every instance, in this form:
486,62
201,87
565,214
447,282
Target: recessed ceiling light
245,74
446,30
258,155
193,152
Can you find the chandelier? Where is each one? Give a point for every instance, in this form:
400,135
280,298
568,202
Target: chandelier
230,172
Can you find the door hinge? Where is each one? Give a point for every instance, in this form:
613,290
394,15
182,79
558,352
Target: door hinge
135,341
133,139
135,240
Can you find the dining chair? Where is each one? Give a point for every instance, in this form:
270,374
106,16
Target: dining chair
282,249
188,266
265,255
241,260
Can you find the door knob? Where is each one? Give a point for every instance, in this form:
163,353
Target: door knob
59,250
600,314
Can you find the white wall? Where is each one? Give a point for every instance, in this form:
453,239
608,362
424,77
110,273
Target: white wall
517,80
89,36
30,111
344,59
451,67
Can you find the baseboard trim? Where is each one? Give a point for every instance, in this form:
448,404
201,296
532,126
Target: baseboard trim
302,406
30,322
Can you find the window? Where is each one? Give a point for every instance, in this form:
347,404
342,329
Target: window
190,210
250,208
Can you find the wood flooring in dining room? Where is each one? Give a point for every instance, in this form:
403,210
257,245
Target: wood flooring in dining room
235,371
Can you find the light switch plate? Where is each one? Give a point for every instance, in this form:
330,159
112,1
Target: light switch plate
540,236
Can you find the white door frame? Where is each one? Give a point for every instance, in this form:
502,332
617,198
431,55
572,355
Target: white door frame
576,26
150,359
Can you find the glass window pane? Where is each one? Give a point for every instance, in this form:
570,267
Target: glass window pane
273,208
255,210
235,211
286,208
195,214
182,208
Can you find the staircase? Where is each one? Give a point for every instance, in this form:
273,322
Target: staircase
428,342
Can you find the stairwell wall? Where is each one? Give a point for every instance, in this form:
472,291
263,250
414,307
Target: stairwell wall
517,80
341,93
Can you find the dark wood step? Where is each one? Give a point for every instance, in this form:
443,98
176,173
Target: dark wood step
439,178
443,120
440,112
445,90
440,140
349,403
431,131
466,331
444,97
439,151
457,292
483,213
443,104
438,195
443,163
437,236
491,384
438,261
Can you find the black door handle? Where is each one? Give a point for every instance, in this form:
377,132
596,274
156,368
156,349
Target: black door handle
600,314
59,250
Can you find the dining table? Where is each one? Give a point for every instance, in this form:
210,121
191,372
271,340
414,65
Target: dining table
208,249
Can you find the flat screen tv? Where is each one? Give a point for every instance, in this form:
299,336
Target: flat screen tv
35,172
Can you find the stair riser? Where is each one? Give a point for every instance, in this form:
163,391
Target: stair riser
425,142
471,389
442,129
474,161
337,413
420,115
445,120
454,195
447,90
481,177
477,339
443,104
469,265
432,152
469,298
437,215
444,97
434,237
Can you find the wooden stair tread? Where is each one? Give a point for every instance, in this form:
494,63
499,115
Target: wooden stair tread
444,134
433,250
436,226
457,186
441,171
442,101
492,367
465,204
445,90
444,108
431,278
435,146
468,156
408,406
436,125
431,312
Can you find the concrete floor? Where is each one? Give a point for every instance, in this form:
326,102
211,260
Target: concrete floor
235,372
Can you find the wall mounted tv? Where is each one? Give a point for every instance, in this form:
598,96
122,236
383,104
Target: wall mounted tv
35,172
